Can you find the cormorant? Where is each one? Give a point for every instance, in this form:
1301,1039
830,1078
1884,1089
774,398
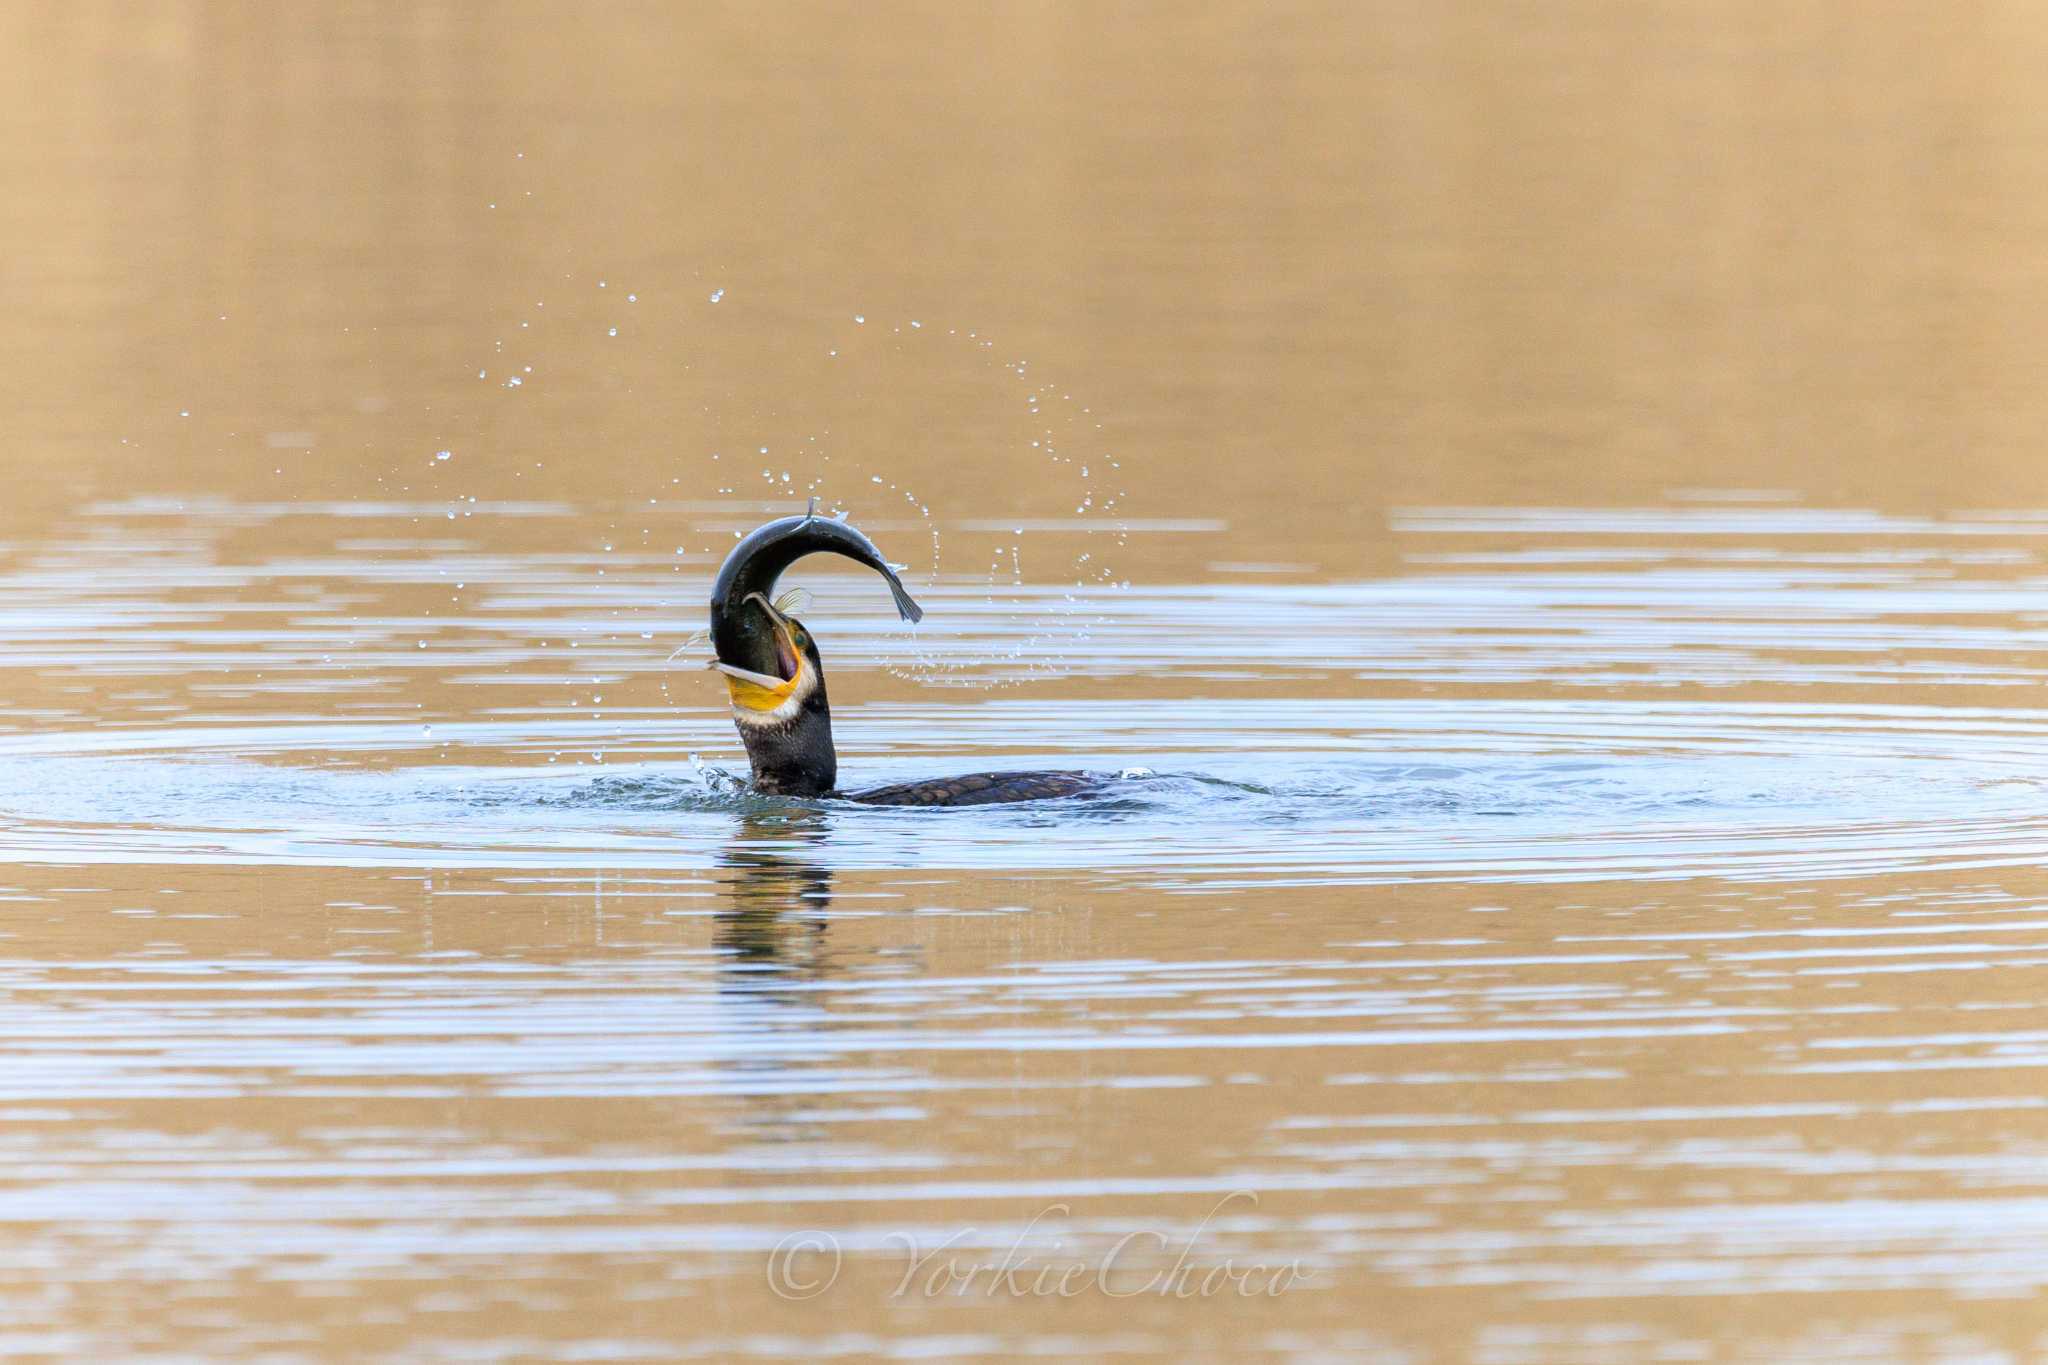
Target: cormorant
777,681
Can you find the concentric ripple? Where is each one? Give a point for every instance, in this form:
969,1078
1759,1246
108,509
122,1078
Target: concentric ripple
1323,792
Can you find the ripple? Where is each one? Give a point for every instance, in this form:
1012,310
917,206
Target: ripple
1323,792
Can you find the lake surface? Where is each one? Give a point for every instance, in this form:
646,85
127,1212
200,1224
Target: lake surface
1544,505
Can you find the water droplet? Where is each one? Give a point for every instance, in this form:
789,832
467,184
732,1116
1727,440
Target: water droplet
858,318
444,454
717,294
612,332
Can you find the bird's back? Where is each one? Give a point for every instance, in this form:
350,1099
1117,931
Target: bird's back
980,789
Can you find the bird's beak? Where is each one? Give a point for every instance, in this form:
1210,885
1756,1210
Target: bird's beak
753,691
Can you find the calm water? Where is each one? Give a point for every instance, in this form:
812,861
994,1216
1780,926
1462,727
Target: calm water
1547,502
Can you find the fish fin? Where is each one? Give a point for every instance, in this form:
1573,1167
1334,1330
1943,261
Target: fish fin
906,606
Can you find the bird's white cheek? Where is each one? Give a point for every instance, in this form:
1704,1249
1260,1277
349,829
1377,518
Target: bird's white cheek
749,719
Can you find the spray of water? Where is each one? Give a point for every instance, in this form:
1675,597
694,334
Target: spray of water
1055,430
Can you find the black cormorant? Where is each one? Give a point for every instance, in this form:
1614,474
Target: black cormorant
771,667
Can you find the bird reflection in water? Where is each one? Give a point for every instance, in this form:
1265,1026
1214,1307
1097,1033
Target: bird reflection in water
770,935
773,921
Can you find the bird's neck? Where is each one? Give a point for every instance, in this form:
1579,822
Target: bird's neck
793,756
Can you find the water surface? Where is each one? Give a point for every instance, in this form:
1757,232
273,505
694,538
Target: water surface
1550,503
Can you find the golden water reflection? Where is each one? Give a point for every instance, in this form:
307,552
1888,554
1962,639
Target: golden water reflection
1552,490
